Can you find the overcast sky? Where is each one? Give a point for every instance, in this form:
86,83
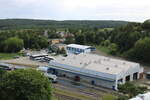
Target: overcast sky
129,10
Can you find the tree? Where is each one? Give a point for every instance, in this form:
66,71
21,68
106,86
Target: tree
69,40
106,43
140,50
43,43
113,48
25,84
131,89
80,39
13,44
146,25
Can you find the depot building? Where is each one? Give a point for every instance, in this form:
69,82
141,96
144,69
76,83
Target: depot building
96,70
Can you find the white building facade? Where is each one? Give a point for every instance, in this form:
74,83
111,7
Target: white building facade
96,70
77,49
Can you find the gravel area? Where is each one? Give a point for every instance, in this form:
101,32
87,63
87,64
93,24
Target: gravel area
25,61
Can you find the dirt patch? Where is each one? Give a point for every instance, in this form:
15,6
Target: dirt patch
25,61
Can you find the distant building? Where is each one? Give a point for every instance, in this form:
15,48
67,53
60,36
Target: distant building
77,49
96,70
56,41
65,34
58,46
145,96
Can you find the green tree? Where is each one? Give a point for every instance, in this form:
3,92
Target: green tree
146,25
106,43
26,84
69,40
80,39
42,41
113,48
131,89
13,44
141,50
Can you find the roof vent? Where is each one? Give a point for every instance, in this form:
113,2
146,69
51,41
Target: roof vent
99,61
107,68
89,62
95,62
116,65
124,63
108,59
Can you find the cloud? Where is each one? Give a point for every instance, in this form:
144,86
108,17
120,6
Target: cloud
133,10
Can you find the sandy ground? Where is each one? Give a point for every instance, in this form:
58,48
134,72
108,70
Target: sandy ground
25,61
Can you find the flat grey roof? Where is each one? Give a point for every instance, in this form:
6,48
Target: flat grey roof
96,63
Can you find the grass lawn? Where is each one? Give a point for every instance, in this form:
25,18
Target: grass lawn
5,56
109,29
71,94
103,49
109,97
53,98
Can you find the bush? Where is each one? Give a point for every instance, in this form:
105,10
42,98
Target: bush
25,85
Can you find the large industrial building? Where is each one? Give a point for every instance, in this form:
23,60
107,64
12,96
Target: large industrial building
96,70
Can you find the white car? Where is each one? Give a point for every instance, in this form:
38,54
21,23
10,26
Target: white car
51,76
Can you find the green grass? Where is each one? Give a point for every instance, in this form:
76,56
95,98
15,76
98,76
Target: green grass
71,94
109,97
103,49
53,98
5,56
109,29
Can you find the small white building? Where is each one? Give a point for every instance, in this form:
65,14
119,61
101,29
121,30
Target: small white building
145,96
77,49
96,70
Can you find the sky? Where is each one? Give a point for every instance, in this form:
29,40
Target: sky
128,10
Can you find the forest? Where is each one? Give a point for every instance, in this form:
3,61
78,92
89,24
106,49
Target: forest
126,39
46,24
